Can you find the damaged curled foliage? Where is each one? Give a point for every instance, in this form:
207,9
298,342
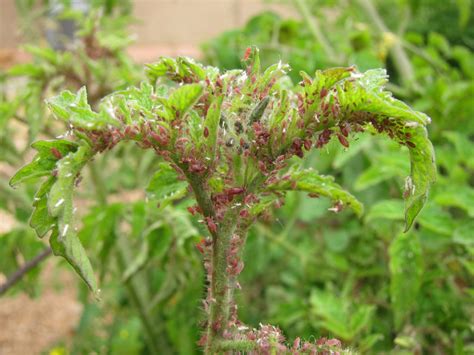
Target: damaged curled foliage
235,137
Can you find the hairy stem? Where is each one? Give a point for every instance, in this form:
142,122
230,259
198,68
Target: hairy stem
235,345
221,287
220,293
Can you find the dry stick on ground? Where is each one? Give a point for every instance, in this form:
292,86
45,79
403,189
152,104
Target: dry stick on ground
14,278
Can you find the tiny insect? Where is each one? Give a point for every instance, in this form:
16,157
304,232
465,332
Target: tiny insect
192,210
230,142
247,53
200,245
57,154
343,140
211,225
238,127
323,93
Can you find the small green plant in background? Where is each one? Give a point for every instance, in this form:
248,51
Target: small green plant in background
235,140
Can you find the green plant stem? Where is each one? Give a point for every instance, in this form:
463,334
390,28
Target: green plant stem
221,283
136,297
315,28
235,345
400,58
14,278
221,286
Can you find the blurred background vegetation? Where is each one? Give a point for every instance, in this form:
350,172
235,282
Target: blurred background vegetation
309,271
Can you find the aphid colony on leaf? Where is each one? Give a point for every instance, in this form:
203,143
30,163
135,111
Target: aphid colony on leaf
236,138
241,127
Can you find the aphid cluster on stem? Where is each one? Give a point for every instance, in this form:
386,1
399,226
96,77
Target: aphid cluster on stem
235,138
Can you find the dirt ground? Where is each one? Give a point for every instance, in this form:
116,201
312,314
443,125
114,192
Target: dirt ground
30,326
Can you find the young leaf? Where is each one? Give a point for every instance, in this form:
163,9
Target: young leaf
182,69
41,221
165,185
310,181
45,160
74,109
184,97
211,124
423,174
64,240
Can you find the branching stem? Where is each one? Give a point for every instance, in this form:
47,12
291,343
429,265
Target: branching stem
400,58
18,274
315,29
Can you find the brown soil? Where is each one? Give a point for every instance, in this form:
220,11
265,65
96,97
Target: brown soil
30,326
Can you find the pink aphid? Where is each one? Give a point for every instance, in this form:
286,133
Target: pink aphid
343,140
57,154
211,225
247,53
200,246
235,191
244,213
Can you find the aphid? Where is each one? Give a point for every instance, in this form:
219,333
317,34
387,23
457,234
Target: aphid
235,191
343,140
247,53
345,128
337,207
250,198
300,124
230,142
57,154
192,210
158,138
296,343
307,144
297,143
200,245
197,168
244,213
280,159
411,144
211,225
238,127
223,121
244,144
206,132
78,181
323,93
